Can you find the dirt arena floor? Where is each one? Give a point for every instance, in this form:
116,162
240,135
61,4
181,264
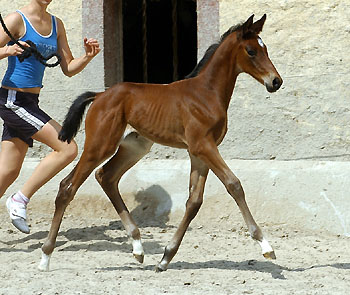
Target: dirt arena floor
93,254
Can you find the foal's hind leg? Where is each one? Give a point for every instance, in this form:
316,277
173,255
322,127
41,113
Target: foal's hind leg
96,150
130,151
209,153
199,172
68,187
50,242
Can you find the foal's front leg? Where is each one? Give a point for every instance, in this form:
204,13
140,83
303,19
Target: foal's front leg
198,176
89,160
210,155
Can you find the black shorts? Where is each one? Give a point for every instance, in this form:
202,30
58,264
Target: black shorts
21,115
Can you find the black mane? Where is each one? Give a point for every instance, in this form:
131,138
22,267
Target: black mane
210,51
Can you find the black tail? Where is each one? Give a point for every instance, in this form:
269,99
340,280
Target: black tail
74,116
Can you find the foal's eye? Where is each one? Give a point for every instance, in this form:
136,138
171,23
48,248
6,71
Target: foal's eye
251,52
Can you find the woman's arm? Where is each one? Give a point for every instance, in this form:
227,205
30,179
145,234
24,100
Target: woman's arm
71,66
14,24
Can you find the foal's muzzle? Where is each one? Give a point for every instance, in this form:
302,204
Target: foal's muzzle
275,85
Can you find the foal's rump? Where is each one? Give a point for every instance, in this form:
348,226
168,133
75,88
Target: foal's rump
76,111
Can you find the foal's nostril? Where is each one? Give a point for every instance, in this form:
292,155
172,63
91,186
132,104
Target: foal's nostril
276,83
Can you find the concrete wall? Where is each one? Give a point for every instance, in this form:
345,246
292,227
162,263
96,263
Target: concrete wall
300,195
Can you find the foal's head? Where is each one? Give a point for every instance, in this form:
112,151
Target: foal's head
252,56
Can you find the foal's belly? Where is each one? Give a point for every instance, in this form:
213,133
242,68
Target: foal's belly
164,138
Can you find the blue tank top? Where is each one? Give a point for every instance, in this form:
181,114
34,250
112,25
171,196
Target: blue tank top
30,72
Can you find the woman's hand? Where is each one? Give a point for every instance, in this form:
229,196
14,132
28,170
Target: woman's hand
14,50
92,48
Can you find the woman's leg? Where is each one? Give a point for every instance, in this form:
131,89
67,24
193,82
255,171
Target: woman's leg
62,154
59,158
11,159
12,155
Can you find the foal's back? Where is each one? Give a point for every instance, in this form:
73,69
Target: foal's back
164,113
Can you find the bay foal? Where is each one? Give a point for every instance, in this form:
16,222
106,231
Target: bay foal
189,114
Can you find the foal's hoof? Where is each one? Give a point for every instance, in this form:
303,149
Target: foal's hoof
158,268
139,258
270,255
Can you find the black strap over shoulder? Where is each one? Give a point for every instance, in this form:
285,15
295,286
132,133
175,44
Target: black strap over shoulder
32,50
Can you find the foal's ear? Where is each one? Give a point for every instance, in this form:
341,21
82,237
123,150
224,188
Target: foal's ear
258,25
246,27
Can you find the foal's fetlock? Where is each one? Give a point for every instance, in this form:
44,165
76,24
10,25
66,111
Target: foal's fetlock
48,247
255,233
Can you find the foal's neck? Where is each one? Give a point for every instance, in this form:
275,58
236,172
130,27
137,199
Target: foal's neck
221,71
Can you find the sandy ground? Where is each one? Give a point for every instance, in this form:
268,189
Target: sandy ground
93,254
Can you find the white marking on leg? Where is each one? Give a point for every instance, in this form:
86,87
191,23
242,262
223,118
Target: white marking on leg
137,247
44,262
265,246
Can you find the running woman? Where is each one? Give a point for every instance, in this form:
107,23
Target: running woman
23,120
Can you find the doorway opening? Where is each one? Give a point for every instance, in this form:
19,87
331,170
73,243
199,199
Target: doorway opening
159,40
